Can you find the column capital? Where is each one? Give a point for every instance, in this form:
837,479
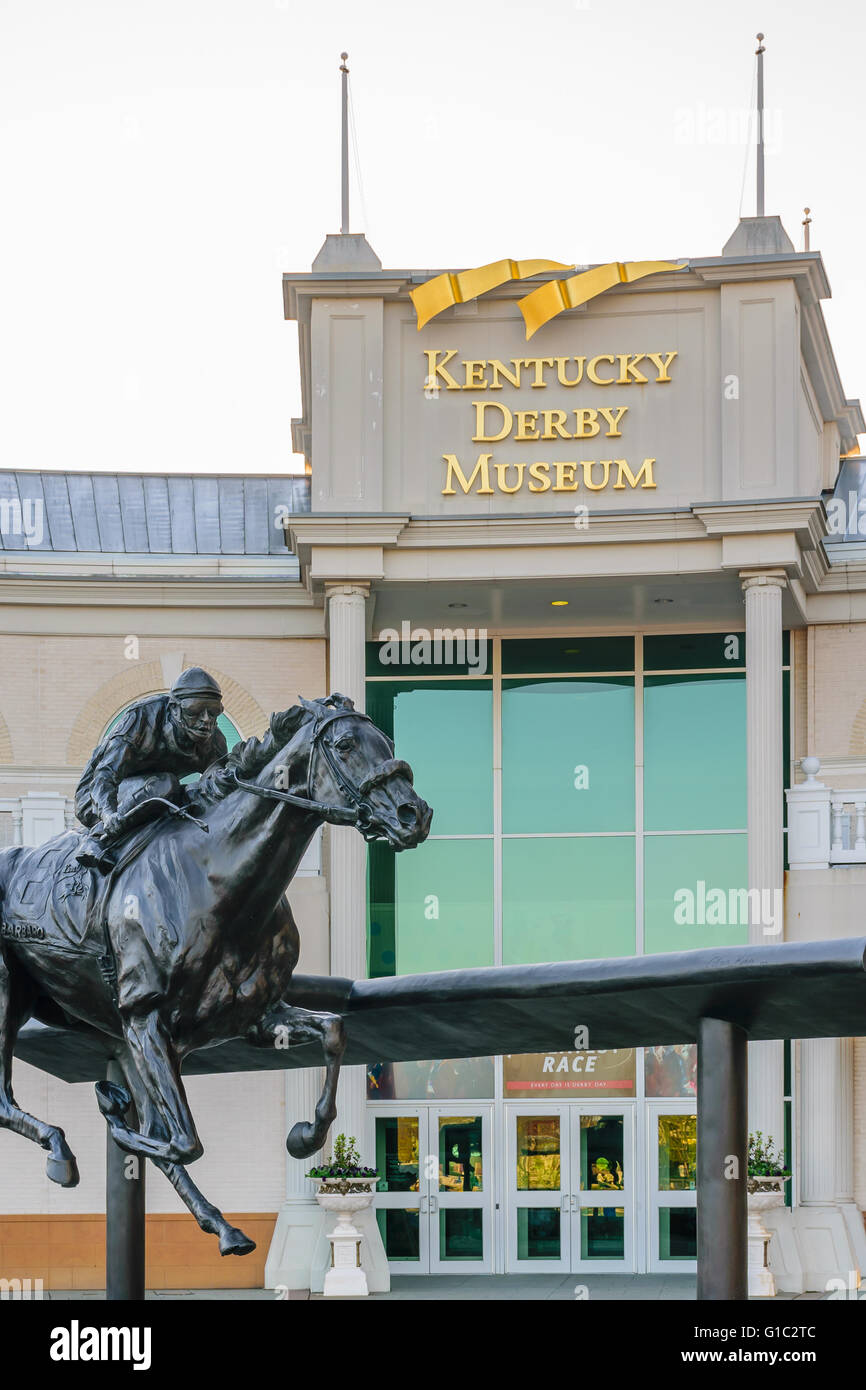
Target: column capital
351,589
755,579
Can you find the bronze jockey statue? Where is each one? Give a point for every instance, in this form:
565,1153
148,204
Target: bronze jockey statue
137,767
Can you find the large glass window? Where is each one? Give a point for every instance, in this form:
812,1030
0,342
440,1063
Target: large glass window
695,891
445,730
567,755
695,752
536,854
569,898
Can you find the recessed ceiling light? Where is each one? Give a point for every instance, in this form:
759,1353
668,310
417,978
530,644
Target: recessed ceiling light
458,605
662,600
559,603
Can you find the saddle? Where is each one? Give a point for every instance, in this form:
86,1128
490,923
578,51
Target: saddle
54,903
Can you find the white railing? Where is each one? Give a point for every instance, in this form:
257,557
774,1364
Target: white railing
825,827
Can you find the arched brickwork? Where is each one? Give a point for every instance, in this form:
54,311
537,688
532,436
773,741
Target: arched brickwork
146,678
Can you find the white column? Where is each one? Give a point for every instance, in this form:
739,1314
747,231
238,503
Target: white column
347,605
828,1223
43,816
300,1219
763,590
860,1122
827,1121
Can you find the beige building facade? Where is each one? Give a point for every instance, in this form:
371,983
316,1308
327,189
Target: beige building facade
594,585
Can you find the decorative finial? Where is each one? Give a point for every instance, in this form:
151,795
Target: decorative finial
806,224
759,49
343,67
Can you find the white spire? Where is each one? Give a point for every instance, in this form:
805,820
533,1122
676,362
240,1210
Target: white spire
346,251
344,147
760,161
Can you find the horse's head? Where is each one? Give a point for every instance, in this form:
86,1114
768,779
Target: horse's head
353,773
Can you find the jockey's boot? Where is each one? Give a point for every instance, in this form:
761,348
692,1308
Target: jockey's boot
93,853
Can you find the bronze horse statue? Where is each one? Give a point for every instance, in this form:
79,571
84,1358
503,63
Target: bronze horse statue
190,940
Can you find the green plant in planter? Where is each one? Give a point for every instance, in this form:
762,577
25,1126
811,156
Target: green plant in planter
765,1161
345,1162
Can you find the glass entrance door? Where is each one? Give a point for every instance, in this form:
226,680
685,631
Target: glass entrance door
570,1185
434,1199
672,1181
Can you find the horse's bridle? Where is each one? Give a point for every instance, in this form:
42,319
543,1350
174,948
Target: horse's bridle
361,811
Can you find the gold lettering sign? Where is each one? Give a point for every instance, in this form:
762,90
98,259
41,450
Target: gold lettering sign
495,420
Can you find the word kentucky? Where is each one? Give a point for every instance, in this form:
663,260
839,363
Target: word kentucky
605,369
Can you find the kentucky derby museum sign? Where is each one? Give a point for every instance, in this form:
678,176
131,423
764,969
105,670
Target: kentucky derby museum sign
495,420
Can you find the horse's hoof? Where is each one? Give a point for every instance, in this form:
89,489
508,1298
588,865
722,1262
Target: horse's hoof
234,1242
112,1099
301,1141
63,1171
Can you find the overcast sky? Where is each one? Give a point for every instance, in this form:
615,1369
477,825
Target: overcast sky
164,161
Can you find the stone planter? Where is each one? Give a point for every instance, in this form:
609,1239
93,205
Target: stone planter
345,1196
763,1194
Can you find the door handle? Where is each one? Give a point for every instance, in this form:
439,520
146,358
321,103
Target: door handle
434,1206
422,1206
575,1204
564,1204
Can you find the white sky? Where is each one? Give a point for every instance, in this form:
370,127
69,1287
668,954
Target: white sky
164,161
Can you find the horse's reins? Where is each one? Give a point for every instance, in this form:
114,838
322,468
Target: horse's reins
337,815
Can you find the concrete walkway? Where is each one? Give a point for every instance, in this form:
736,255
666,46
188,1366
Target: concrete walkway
468,1288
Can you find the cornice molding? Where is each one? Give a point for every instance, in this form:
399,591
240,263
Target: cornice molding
805,517
150,592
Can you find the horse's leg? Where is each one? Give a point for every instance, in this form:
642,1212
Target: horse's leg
232,1240
152,1067
287,1024
210,1218
15,1001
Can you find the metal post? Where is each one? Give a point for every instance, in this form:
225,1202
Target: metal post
124,1215
344,147
723,1131
760,164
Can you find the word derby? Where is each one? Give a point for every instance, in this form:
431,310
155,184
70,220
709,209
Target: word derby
496,421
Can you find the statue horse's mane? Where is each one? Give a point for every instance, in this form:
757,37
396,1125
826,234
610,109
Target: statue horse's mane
249,757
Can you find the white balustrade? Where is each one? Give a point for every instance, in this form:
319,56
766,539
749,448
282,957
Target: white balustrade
825,827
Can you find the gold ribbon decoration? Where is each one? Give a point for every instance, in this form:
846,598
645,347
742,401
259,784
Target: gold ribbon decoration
443,291
543,304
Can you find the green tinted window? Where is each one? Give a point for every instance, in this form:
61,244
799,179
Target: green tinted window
567,755
694,892
445,731
695,752
567,899
549,655
438,651
444,906
669,652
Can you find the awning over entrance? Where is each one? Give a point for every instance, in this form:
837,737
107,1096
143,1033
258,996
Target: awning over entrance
808,989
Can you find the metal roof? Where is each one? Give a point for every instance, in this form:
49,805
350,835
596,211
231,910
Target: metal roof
144,513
